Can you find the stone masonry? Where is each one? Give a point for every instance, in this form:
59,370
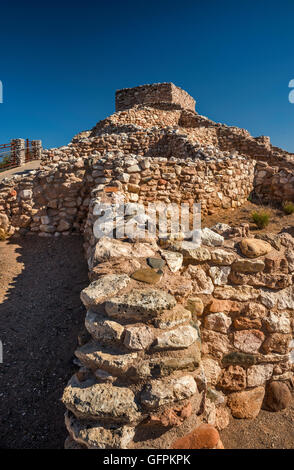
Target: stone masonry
175,335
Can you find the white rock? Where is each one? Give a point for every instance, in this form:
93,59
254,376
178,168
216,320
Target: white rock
218,322
173,259
178,338
219,274
277,323
210,238
159,393
212,370
100,290
259,374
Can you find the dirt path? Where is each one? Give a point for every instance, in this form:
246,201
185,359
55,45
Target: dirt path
34,165
267,431
40,317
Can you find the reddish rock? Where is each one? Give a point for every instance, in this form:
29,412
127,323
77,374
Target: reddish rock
233,378
277,396
246,404
277,343
223,306
204,436
248,341
254,310
171,416
244,323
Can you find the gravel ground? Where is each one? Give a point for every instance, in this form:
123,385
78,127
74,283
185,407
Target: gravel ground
40,318
268,431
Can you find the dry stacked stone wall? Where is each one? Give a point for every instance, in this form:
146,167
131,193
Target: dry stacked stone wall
156,93
175,335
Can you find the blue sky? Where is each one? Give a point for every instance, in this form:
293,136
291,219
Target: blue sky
61,62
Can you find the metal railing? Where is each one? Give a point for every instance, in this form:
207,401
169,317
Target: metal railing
8,155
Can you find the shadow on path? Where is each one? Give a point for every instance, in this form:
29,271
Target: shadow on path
40,318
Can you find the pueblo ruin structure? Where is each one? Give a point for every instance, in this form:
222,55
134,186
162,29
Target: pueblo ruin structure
178,335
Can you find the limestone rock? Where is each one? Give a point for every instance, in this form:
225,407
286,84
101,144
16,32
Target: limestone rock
222,418
101,402
194,254
99,435
248,341
222,257
94,356
246,404
4,222
202,284
209,412
159,393
105,287
120,266
248,266
212,370
107,248
277,323
219,274
138,337
240,293
173,317
277,397
259,374
211,238
103,329
139,304
217,322
254,247
178,338
174,260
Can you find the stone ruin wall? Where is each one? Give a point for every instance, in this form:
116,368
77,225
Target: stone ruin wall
154,94
205,340
213,330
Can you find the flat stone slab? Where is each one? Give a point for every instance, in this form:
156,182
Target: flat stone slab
170,318
179,338
139,304
98,435
101,402
95,356
103,329
106,286
159,393
147,275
